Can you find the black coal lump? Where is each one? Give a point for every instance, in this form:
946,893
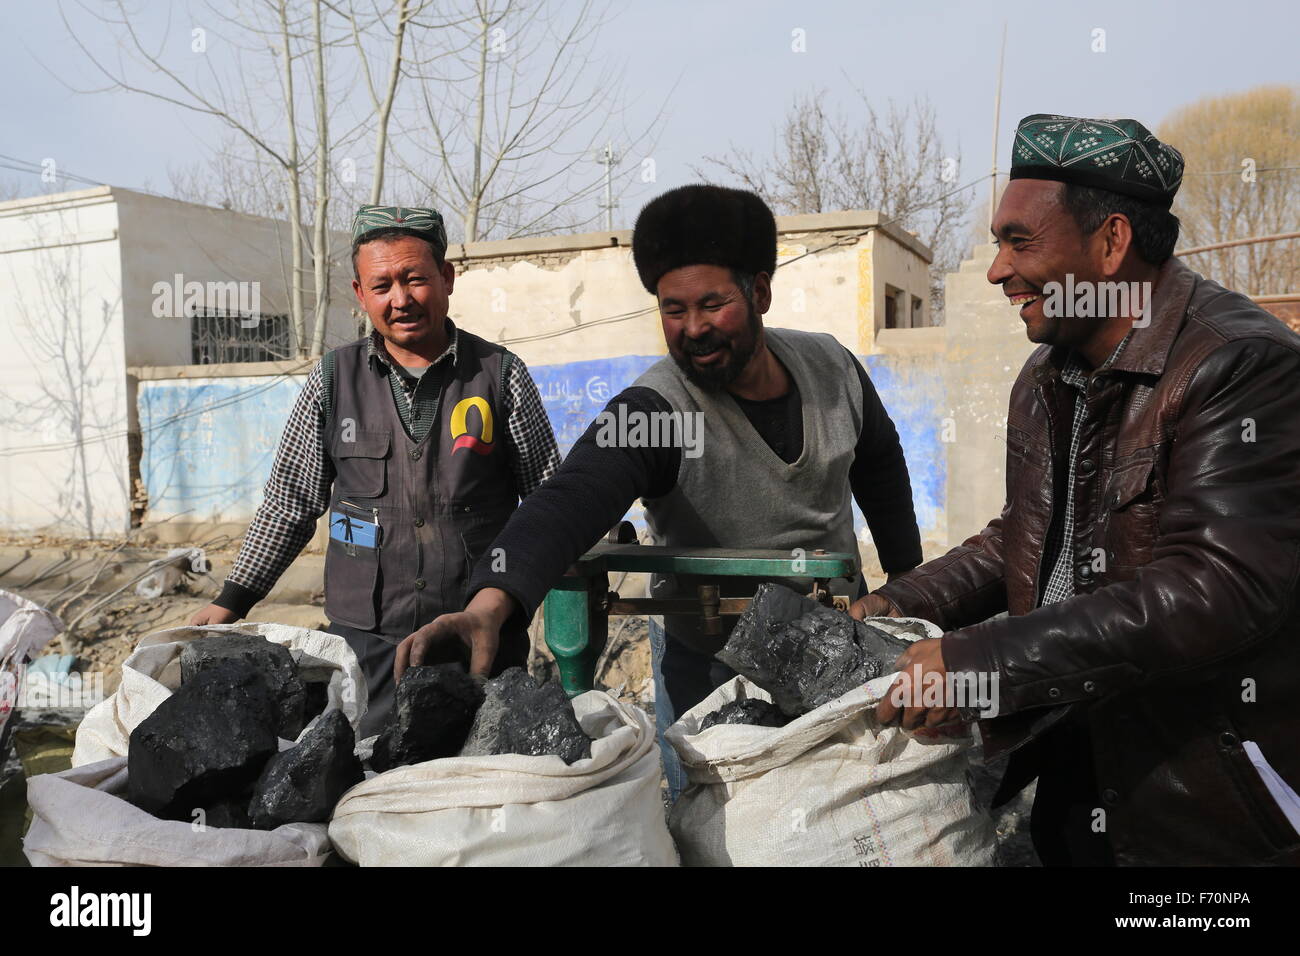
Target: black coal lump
205,744
230,813
315,700
431,716
803,653
274,659
303,784
520,717
761,713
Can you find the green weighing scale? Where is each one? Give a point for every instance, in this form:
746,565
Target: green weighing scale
577,611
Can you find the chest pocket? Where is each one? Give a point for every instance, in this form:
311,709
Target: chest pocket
360,465
1130,504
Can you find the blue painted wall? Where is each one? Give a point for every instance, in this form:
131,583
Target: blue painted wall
209,443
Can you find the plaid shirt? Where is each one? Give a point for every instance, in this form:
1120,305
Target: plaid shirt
298,491
1060,546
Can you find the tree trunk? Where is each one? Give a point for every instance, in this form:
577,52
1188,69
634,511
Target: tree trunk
320,237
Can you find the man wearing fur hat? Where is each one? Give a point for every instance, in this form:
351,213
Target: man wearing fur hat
780,432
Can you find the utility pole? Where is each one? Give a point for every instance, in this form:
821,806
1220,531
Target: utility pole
608,159
997,116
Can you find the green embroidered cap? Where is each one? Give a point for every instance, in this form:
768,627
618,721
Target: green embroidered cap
424,222
1118,155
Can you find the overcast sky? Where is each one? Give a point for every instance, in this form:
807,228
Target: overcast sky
736,72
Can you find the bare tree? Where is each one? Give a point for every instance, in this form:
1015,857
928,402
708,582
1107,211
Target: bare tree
516,106
267,27
896,163
1237,185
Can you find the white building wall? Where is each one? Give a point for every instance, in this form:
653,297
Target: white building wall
63,400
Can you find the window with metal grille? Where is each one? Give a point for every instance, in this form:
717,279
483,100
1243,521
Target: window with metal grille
219,336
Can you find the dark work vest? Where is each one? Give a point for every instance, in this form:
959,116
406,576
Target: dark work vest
408,520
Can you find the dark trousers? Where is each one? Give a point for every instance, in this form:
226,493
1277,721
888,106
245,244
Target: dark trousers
376,657
690,676
1065,821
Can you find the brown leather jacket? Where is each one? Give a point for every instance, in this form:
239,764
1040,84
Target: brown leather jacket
1183,638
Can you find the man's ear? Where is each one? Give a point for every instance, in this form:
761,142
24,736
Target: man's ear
356,288
762,293
1116,235
448,271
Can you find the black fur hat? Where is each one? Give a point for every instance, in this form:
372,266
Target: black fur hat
703,225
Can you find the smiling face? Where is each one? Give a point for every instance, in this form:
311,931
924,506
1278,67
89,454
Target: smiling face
711,329
404,291
1039,242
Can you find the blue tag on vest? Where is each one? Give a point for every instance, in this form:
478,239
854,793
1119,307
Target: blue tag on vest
353,531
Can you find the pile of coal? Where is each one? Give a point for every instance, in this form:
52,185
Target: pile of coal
205,745
519,716
761,713
305,783
273,660
805,654
431,716
212,745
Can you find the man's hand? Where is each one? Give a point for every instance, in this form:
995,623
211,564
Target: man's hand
213,615
474,633
873,605
920,691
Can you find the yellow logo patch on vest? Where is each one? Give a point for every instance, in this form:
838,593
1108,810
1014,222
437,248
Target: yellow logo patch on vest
460,427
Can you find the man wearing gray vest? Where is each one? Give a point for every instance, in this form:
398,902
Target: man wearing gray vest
420,439
777,432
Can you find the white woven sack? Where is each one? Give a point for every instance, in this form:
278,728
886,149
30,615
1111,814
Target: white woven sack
515,810
80,817
831,788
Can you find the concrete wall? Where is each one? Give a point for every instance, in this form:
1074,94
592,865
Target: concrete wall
77,289
161,238
986,348
64,409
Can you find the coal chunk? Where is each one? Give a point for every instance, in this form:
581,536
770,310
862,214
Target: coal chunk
519,716
803,653
273,659
204,745
761,713
431,716
303,784
316,698
231,813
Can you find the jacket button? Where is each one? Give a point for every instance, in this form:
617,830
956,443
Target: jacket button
1089,686
1098,384
1054,692
419,522
419,584
415,454
1085,571
1086,467
1109,797
1228,740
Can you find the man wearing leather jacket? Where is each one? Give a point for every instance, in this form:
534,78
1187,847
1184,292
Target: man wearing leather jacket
1148,551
